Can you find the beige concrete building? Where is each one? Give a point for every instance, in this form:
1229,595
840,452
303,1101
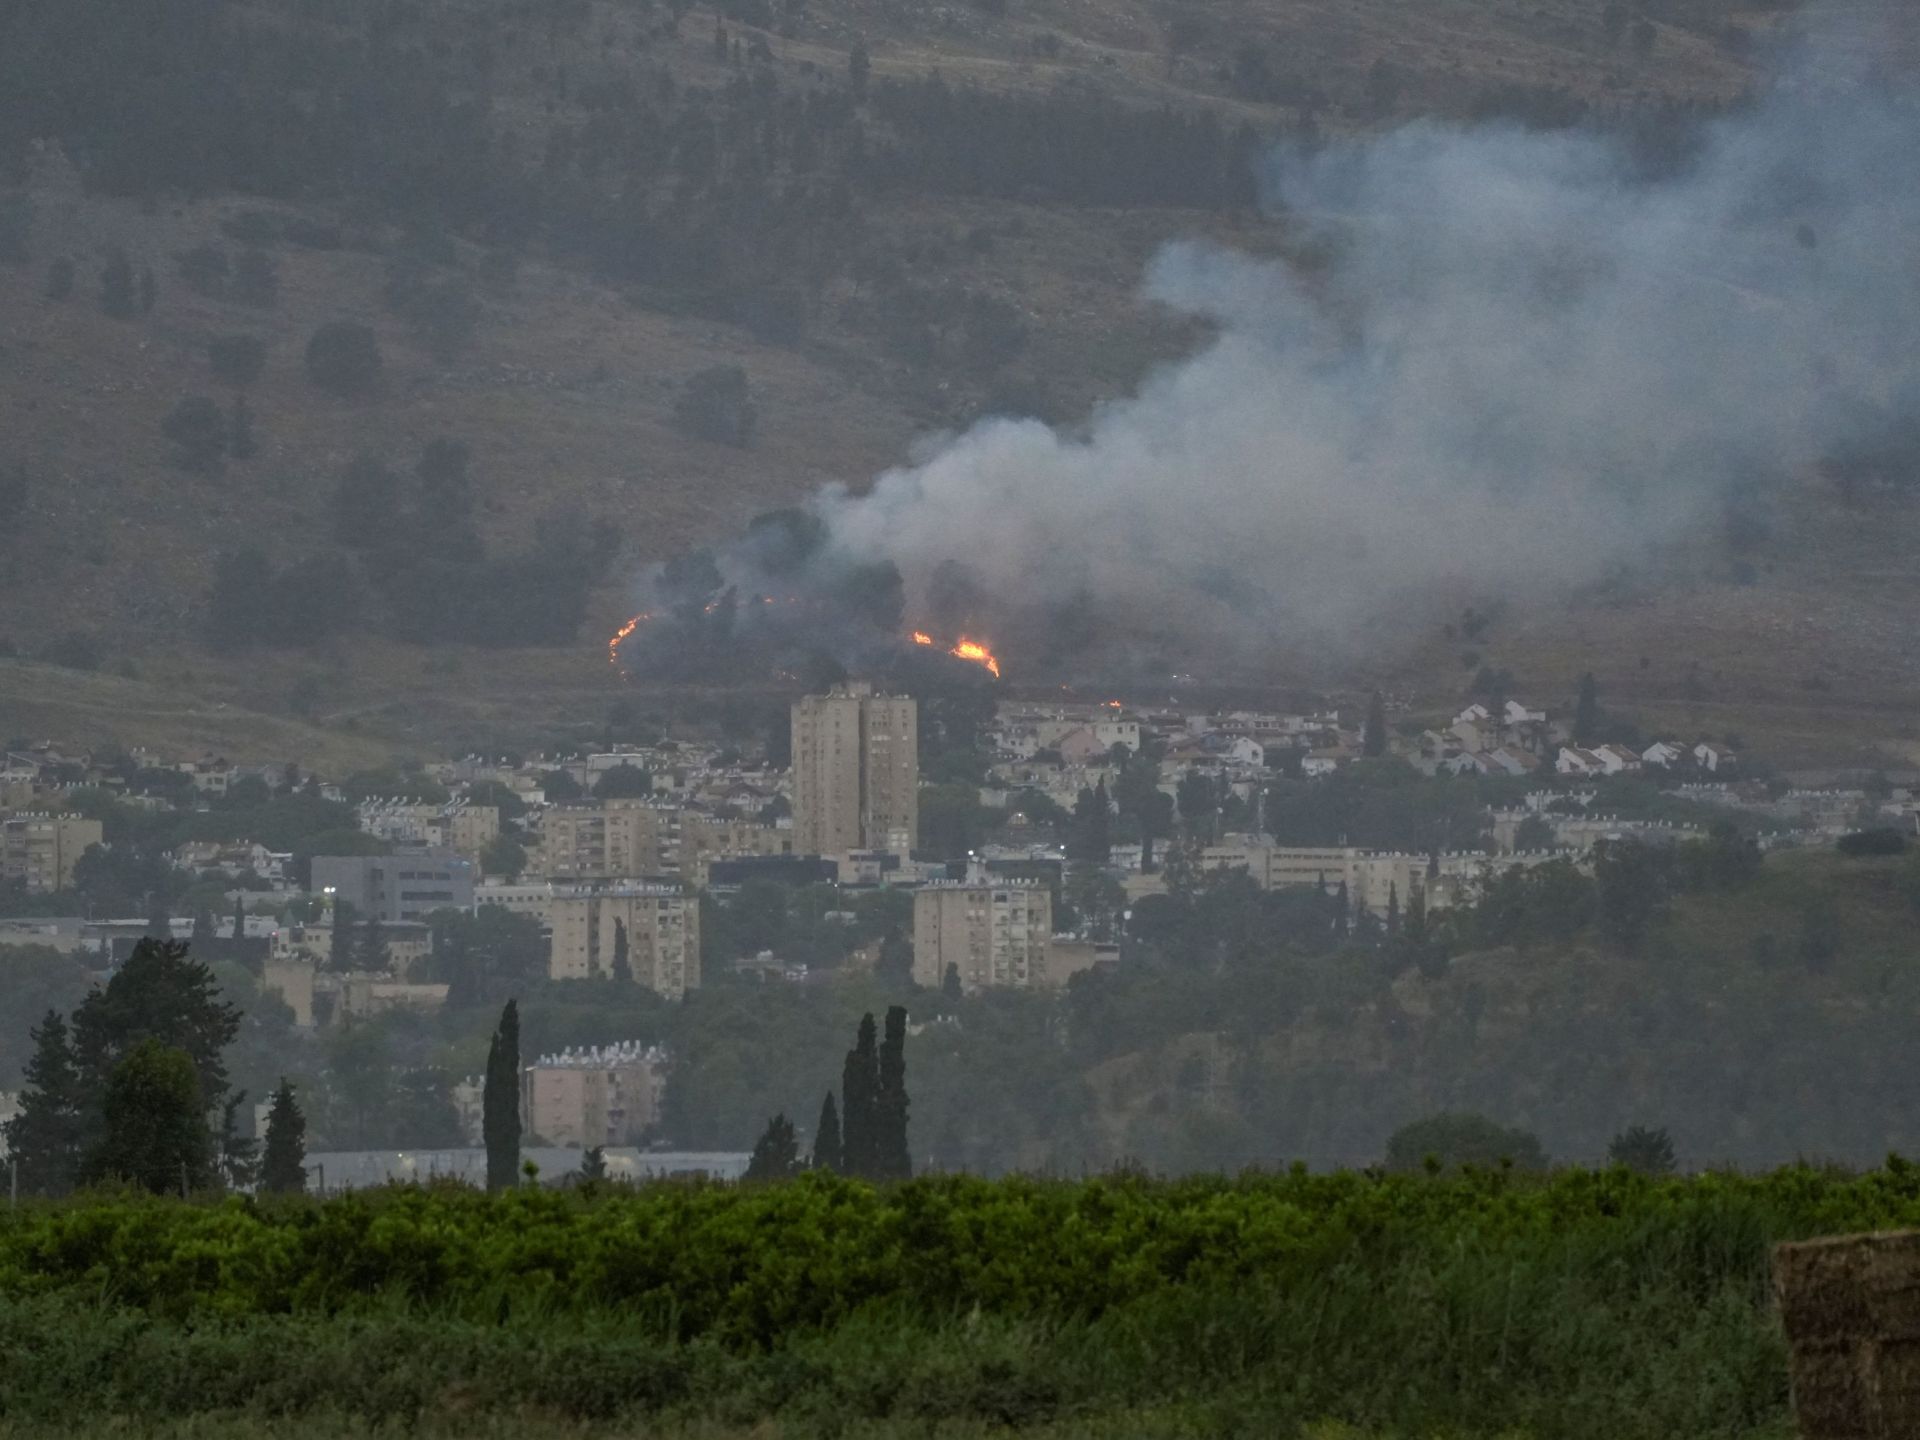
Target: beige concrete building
706,838
608,840
662,924
995,933
599,1096
1375,879
38,851
290,976
856,772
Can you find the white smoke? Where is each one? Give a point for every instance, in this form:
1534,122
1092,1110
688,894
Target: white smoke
1521,365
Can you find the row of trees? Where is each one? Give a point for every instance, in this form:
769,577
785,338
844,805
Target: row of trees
865,1133
128,1090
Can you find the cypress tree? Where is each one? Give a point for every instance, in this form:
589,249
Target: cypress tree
373,953
826,1137
239,926
776,1154
340,941
202,937
500,1102
622,966
1373,739
44,1138
1586,711
859,1090
893,1159
283,1169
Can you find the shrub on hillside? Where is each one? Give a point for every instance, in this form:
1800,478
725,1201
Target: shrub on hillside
237,359
344,357
1882,841
716,405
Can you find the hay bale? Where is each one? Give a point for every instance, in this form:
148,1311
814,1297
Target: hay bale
1851,1310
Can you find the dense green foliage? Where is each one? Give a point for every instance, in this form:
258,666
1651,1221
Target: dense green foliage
1585,1304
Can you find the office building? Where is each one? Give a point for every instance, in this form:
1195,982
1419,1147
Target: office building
406,885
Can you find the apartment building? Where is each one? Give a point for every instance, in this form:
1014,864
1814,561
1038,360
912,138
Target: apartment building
38,851
661,923
601,1095
609,840
994,933
856,772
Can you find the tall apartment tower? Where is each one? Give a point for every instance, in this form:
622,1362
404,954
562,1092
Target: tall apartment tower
856,772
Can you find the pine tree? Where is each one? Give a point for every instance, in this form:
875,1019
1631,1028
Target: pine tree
826,1137
593,1163
622,965
154,1124
1393,911
500,1102
893,1159
950,988
283,1169
44,1138
859,1090
202,938
161,993
776,1154
1373,739
239,927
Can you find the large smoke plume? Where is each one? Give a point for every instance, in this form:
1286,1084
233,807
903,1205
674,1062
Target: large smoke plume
1522,362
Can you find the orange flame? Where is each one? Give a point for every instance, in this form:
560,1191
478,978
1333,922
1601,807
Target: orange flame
613,645
965,650
980,655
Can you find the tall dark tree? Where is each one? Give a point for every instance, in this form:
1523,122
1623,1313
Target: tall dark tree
159,994
371,952
859,1094
827,1153
500,1102
153,1123
776,1154
238,1155
950,987
893,1159
340,946
283,1167
1586,711
622,963
44,1138
1373,737
593,1163
894,964
1092,837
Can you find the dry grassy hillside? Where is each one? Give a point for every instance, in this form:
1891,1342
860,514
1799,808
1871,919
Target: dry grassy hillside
567,388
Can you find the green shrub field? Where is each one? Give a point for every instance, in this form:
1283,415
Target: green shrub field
1581,1304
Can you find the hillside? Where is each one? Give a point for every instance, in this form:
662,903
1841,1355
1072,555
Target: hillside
877,285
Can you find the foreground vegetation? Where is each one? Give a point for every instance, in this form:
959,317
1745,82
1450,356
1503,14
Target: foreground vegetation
1489,1303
